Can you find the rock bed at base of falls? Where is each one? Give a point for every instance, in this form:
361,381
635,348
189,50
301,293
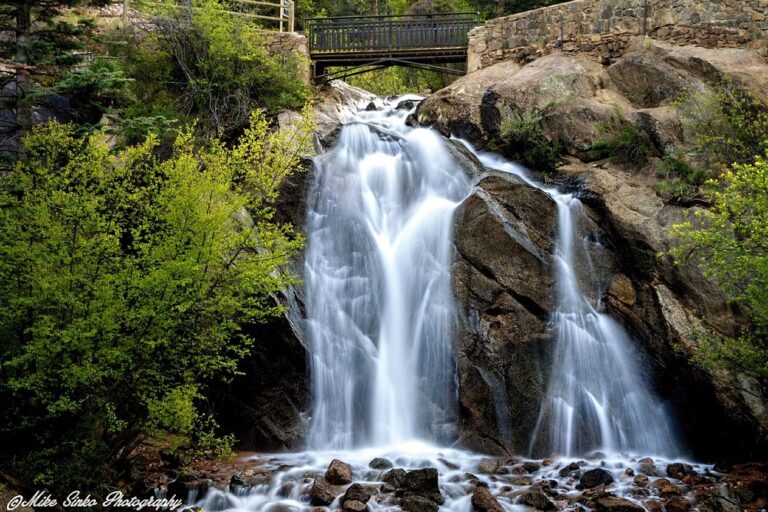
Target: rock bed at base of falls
460,481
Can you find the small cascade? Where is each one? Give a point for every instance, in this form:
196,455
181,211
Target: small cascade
598,399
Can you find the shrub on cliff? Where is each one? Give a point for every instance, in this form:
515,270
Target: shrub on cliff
730,244
125,281
622,142
524,140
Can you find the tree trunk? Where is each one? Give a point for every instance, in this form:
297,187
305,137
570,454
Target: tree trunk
23,104
500,8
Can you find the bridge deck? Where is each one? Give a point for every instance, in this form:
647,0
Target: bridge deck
386,40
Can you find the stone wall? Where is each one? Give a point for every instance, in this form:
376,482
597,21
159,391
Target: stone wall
603,28
291,44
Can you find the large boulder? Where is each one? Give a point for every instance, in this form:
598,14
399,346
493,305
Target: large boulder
503,282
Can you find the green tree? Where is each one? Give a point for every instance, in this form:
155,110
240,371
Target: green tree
44,47
730,244
213,68
125,282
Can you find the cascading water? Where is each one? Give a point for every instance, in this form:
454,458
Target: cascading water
381,321
597,398
380,312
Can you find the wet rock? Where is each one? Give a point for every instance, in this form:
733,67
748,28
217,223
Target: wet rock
610,503
359,492
521,480
641,480
531,467
488,466
677,504
371,107
416,503
665,488
322,492
629,472
569,469
537,500
394,477
649,468
654,506
236,480
407,104
380,463
679,471
338,473
593,478
422,481
484,501
449,464
354,506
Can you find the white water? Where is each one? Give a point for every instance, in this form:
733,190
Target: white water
381,323
598,398
380,311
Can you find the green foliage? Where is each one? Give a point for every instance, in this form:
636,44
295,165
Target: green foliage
94,90
730,244
729,125
525,141
216,69
622,142
397,80
125,282
680,180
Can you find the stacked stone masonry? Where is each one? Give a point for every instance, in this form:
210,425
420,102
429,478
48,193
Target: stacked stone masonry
291,45
603,28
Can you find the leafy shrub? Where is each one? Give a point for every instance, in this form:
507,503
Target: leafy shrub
125,282
729,125
730,244
525,141
216,69
622,142
680,180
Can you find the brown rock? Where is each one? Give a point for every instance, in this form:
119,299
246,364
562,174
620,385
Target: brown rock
537,500
338,473
677,504
484,501
665,488
609,503
322,492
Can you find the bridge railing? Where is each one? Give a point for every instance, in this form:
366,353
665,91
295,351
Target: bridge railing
389,33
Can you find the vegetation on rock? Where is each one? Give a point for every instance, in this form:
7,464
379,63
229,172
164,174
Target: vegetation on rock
730,244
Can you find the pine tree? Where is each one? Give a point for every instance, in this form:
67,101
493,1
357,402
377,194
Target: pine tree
43,47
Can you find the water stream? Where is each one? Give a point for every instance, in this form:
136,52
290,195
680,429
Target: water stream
381,322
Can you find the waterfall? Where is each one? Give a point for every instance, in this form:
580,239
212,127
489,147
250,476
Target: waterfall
597,398
377,273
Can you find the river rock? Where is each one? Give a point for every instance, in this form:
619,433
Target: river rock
679,470
595,477
421,481
665,488
323,492
394,478
537,500
484,501
380,463
338,473
641,480
359,492
677,504
416,503
610,503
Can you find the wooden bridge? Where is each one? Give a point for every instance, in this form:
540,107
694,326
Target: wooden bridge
358,44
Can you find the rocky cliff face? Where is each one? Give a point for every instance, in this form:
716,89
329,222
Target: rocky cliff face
504,234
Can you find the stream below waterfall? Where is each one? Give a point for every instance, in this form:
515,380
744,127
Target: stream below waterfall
381,322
